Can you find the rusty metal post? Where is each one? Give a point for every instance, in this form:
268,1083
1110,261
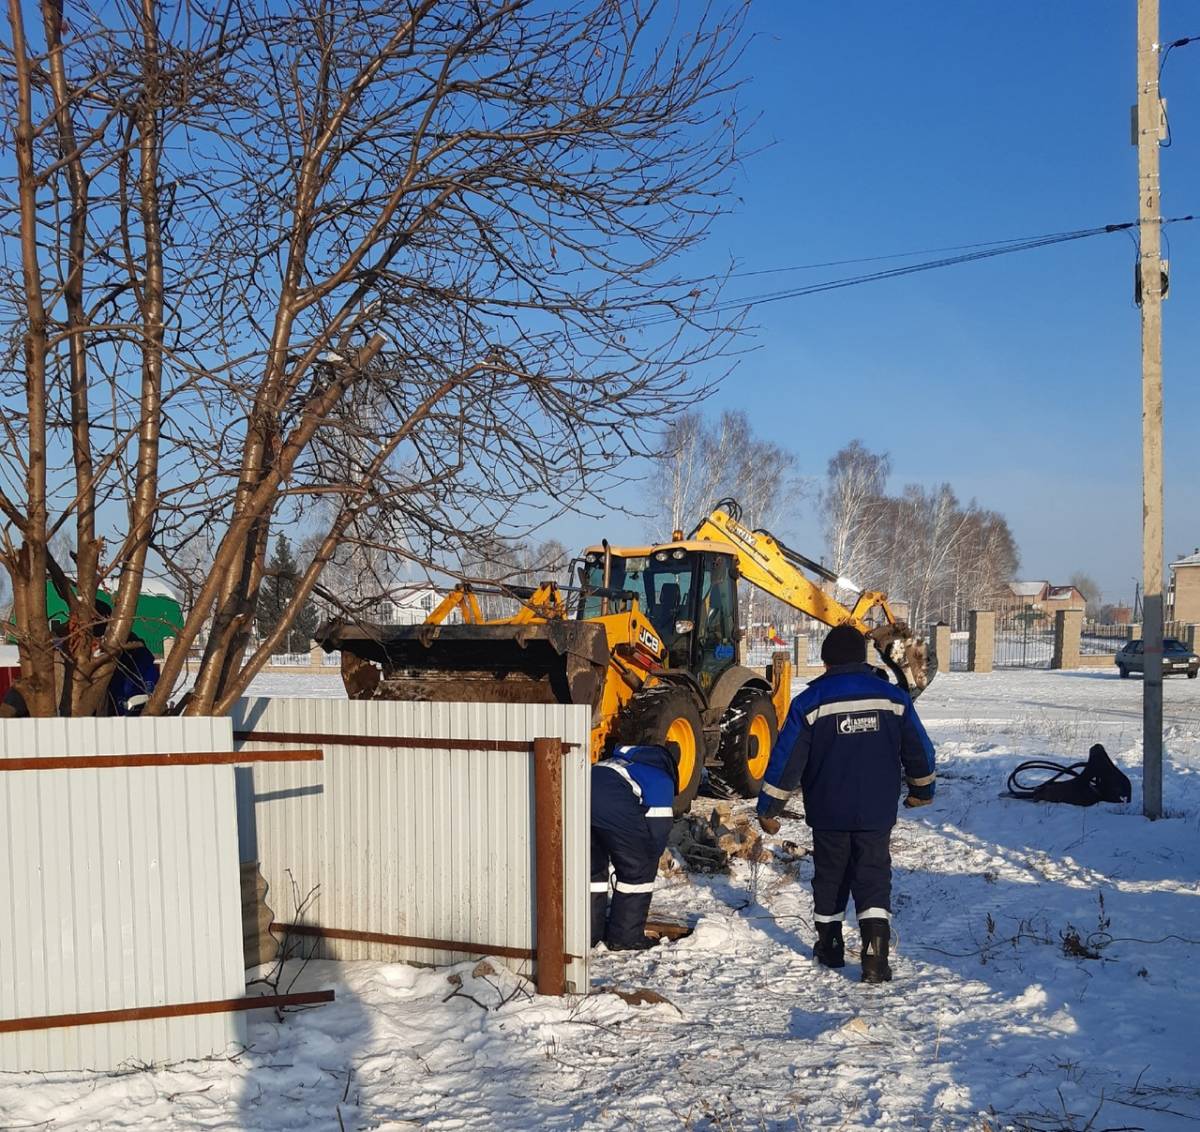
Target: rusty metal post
548,848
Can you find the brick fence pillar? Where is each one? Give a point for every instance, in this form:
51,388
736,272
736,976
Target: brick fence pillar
982,646
1135,631
1068,626
939,645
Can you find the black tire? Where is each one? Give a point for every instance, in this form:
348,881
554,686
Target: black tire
649,717
1193,675
751,712
1123,671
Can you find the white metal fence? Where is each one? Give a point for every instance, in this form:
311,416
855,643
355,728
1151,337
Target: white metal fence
119,889
1102,640
804,647
404,841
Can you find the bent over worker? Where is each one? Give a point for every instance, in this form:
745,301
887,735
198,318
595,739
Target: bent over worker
847,738
632,797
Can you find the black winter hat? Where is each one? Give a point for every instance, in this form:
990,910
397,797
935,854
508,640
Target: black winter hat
844,645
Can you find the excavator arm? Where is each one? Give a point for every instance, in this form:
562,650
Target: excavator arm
778,570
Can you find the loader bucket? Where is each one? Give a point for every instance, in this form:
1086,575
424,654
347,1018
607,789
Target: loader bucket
906,655
551,662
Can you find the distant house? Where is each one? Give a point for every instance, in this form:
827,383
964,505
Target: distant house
1025,595
407,605
1042,597
1063,597
1183,597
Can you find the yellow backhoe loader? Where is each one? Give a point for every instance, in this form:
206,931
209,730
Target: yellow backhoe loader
648,639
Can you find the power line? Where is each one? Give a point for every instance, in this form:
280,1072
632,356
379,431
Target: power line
988,250
1170,47
877,258
1169,141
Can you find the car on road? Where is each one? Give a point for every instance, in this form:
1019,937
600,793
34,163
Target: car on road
1177,658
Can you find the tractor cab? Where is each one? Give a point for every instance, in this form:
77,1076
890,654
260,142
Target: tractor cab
687,590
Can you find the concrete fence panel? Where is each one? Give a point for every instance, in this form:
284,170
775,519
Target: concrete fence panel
120,893
415,838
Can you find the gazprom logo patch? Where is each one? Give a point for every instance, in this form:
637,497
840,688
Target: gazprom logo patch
858,723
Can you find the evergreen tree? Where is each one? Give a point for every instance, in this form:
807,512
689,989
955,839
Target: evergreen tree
276,593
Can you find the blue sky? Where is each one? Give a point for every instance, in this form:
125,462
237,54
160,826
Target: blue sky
892,128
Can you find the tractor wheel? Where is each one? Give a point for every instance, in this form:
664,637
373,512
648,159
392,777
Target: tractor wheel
667,714
747,736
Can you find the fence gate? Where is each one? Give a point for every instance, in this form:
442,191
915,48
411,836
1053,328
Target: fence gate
1024,639
960,642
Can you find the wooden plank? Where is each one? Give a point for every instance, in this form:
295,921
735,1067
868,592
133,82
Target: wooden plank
667,929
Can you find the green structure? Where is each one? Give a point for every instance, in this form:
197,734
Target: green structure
157,617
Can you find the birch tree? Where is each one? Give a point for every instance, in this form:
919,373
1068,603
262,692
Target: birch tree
923,546
851,507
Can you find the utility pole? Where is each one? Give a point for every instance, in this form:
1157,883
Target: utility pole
1149,115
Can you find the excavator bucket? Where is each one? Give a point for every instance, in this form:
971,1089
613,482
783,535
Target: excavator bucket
906,655
549,662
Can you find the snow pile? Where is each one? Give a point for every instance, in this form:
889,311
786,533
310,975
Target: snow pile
1046,977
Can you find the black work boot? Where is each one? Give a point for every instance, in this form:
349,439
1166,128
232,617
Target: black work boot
830,950
634,943
876,935
599,914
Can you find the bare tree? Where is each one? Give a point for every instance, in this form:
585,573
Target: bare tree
700,463
509,565
692,463
546,562
414,261
851,508
764,480
922,546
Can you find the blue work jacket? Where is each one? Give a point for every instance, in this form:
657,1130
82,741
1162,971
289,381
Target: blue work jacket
644,775
133,681
848,739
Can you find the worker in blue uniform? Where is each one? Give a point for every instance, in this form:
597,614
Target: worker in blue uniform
633,792
848,739
136,674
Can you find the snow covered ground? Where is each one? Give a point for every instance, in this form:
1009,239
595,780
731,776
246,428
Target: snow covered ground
1047,977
